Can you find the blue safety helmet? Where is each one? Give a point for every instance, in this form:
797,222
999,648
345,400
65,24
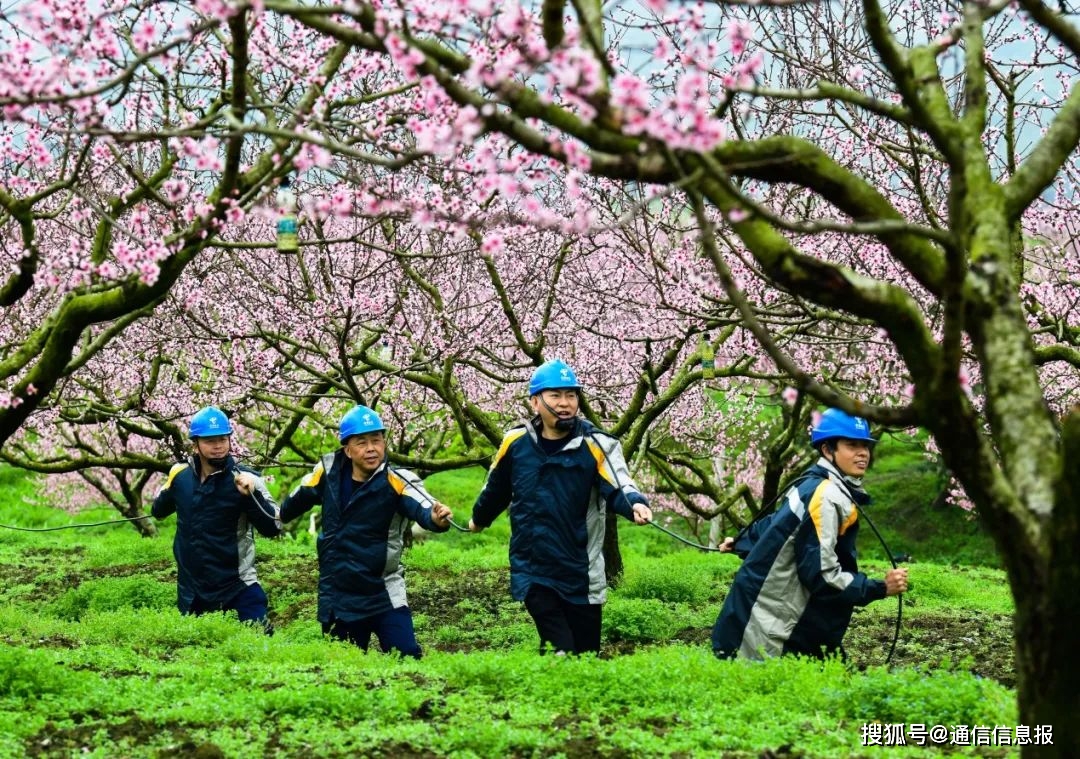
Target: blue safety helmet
835,423
209,422
359,421
553,375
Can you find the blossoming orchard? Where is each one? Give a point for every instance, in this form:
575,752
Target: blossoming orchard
860,204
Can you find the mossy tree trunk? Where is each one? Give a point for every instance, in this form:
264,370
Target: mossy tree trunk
613,562
1048,613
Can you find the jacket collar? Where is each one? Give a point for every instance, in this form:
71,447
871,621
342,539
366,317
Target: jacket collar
574,439
333,462
230,465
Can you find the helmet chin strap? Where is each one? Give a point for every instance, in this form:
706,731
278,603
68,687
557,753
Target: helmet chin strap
561,424
217,462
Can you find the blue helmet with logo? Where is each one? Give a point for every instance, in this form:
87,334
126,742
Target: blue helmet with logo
359,420
209,422
835,423
553,375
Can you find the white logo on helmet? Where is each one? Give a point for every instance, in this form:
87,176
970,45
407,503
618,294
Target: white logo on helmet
366,420
213,421
860,423
565,374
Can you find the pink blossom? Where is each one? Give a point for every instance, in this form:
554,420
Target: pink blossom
207,157
234,215
739,33
175,190
468,124
629,91
312,155
492,245
143,36
431,137
406,58
341,200
215,9
965,381
107,270
576,156
573,185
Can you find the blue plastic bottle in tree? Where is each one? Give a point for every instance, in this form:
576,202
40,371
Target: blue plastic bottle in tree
286,223
708,357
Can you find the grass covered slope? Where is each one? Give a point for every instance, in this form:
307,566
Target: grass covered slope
911,514
150,684
96,661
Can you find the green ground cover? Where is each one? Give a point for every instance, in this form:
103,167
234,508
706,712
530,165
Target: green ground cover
97,662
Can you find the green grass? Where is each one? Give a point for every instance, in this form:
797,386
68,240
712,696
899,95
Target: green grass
97,662
908,511
204,682
457,489
20,504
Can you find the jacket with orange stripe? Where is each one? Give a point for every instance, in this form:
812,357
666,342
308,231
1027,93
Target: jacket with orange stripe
800,581
361,542
214,544
557,507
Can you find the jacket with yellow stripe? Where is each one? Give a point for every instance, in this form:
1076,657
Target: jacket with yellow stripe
557,508
800,581
214,544
361,542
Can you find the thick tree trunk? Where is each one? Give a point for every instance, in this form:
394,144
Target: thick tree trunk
1040,553
774,471
145,527
1048,678
1048,617
613,564
132,508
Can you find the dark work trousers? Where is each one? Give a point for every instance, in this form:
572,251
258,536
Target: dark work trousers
250,605
566,627
393,628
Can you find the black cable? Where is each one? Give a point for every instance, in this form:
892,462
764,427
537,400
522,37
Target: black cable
235,472
457,526
681,539
899,596
761,514
73,526
619,486
427,497
769,508
892,560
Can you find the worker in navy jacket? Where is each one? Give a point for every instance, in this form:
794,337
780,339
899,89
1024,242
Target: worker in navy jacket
558,475
217,502
366,509
800,581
